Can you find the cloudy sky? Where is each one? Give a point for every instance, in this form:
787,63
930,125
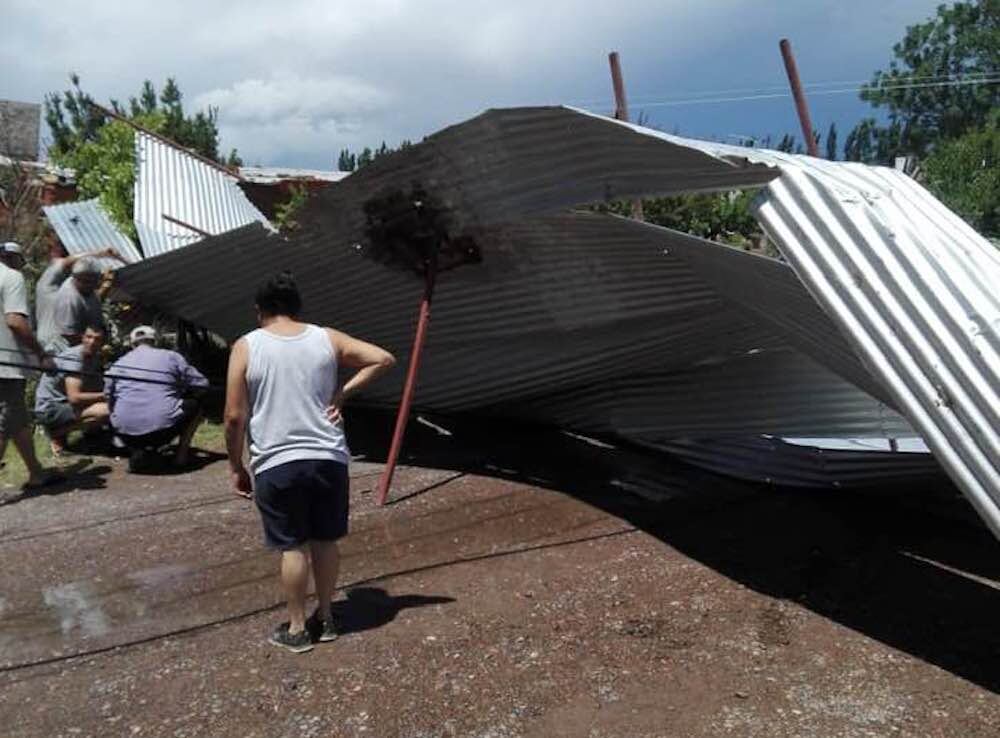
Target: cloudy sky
298,80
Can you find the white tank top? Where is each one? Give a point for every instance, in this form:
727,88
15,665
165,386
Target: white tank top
291,380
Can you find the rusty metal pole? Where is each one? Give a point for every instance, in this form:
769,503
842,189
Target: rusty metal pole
800,97
410,386
621,110
618,83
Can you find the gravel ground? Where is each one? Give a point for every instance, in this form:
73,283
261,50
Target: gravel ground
512,602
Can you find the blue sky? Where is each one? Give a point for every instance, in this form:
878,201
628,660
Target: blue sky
297,81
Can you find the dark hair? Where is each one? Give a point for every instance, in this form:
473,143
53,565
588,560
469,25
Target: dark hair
95,328
279,296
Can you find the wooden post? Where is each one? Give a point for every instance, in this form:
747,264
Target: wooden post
801,106
621,111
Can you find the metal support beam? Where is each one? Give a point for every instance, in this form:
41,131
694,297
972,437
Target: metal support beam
416,352
182,224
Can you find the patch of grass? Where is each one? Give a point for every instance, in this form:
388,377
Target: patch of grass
209,437
15,473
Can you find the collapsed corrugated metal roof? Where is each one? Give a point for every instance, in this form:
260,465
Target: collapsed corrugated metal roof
170,183
912,287
510,164
543,329
904,281
84,226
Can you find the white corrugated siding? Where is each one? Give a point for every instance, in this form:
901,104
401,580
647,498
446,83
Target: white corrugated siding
171,182
911,286
84,226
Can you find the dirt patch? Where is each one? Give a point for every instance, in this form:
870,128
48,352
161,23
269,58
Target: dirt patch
492,607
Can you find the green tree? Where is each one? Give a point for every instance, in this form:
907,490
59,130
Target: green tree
965,174
961,43
831,142
101,149
349,162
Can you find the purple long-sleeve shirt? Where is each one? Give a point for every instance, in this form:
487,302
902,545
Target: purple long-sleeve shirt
138,407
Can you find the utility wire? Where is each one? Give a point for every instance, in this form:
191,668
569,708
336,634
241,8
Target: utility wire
841,91
177,383
814,88
970,77
81,361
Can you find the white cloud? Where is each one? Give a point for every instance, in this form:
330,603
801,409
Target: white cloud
298,80
293,98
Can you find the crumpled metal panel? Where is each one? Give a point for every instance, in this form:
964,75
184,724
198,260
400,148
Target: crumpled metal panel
910,285
775,391
774,461
84,226
914,290
506,165
171,182
578,320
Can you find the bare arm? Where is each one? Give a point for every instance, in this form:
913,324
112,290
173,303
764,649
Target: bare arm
21,329
66,263
107,281
370,360
236,416
77,397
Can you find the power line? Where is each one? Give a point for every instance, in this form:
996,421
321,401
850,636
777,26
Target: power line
816,87
970,77
840,91
82,361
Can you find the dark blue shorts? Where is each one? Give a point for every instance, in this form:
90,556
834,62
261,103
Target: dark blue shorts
302,501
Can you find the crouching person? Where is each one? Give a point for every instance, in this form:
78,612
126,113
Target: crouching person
72,396
154,396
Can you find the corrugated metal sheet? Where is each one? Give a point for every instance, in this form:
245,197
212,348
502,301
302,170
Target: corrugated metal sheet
776,391
772,460
770,291
84,226
913,288
171,182
908,285
510,164
578,320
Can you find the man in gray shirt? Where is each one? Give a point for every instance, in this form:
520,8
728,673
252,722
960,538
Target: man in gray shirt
77,305
47,286
18,347
73,396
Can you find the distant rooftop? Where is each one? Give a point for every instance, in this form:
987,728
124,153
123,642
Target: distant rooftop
272,175
19,128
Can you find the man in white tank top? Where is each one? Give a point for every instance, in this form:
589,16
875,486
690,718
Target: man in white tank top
282,391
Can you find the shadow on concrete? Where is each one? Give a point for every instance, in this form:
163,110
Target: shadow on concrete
910,566
161,464
79,475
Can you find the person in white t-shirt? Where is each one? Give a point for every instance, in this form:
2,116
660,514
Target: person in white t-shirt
19,349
